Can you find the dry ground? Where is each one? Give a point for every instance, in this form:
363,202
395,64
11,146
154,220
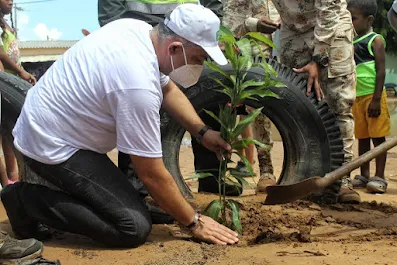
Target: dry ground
296,233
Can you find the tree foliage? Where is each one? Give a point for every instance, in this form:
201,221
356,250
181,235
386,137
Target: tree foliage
382,26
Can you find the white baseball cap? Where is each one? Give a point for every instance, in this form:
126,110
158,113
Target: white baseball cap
198,25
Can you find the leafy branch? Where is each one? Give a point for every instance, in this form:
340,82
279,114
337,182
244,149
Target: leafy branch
238,88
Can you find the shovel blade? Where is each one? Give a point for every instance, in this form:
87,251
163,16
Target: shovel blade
281,194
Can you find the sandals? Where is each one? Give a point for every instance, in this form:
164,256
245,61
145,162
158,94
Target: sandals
373,185
359,182
377,185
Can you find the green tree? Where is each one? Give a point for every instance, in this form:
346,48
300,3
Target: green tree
382,26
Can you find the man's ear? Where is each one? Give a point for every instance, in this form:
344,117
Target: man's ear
174,47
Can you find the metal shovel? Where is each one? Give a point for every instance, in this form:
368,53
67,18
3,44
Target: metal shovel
280,194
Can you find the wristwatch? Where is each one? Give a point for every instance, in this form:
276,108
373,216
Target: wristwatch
201,133
195,223
322,60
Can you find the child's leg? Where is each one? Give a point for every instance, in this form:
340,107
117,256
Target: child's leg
381,159
10,161
3,172
364,145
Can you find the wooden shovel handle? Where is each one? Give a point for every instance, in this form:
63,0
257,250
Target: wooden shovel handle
359,161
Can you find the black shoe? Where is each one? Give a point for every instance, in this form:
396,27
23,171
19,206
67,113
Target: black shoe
22,225
159,216
13,251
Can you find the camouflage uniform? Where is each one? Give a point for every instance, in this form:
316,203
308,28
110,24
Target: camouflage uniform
242,16
315,27
304,34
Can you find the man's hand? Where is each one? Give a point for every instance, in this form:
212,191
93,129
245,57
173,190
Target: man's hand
213,141
374,108
312,69
267,26
28,77
211,231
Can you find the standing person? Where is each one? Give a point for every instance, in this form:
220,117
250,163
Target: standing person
10,62
316,38
106,92
241,18
371,114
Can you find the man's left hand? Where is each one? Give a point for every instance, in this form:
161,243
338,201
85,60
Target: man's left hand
213,141
312,69
374,108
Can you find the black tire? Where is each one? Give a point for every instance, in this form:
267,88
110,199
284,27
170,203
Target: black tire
310,134
13,92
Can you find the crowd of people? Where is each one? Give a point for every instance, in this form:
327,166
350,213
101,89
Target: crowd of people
107,90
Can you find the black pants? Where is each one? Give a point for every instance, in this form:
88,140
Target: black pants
98,201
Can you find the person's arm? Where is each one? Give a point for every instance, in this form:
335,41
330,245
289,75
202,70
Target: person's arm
327,22
180,108
392,15
9,64
378,48
136,112
109,10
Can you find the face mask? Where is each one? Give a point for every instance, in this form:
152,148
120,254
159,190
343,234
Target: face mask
186,75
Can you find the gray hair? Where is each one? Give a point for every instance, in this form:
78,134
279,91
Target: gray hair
165,33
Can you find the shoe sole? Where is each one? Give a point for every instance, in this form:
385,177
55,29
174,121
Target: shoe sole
32,256
350,198
373,189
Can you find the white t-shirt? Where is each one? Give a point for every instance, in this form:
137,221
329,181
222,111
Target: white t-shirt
105,92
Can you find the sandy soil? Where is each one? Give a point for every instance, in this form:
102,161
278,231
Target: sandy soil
298,233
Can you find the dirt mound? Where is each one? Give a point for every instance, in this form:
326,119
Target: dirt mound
305,221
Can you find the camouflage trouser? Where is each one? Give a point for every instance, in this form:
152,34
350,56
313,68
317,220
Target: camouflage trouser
339,90
262,132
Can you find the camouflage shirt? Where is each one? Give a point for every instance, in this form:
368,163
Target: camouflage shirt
323,17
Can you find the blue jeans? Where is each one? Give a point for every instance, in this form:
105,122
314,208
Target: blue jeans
96,200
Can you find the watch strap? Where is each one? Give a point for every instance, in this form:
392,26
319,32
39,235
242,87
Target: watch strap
201,133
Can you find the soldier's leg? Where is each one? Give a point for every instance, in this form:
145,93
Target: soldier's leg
340,95
262,133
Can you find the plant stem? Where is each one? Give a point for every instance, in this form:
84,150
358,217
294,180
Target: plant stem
220,178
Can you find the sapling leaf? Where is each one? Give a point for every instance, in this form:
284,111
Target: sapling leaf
244,62
259,93
214,117
245,48
252,83
221,83
247,164
232,181
217,69
225,32
260,37
231,55
237,174
213,209
244,143
198,175
235,215
245,122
